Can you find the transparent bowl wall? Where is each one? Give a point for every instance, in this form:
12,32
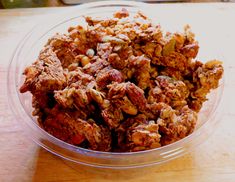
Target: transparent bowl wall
28,50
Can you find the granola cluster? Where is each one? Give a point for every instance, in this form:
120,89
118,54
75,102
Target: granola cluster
120,84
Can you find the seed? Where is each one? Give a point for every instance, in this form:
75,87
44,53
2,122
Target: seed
90,53
85,60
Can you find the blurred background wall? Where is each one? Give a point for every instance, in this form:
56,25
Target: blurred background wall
49,3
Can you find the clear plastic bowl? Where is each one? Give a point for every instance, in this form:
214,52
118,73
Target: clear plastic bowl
27,51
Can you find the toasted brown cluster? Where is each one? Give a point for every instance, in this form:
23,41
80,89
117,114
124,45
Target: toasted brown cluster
120,84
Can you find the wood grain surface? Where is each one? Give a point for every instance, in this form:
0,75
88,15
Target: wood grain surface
22,160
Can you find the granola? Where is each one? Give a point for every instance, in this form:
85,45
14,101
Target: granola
120,84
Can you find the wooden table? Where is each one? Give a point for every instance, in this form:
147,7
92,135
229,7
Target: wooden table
22,160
